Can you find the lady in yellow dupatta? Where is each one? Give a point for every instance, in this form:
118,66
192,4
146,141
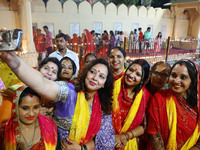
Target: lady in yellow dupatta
130,100
174,113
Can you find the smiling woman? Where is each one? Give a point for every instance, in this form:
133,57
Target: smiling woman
116,57
26,129
68,69
130,101
180,105
83,115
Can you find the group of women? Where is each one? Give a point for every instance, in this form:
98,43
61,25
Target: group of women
108,106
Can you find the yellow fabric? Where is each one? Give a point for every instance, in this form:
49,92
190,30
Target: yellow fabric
131,115
131,145
49,146
80,120
7,76
172,119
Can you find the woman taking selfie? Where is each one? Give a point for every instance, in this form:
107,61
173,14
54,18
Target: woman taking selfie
174,113
88,122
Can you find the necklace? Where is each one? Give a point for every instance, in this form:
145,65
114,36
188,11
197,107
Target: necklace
30,143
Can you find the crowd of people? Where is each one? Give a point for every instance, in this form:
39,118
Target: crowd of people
100,44
102,103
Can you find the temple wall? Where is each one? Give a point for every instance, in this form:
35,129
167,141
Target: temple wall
88,16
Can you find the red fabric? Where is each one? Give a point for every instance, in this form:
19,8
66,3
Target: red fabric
10,131
140,38
90,45
118,76
95,120
158,122
125,105
40,43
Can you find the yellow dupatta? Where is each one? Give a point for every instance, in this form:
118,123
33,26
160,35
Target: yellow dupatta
131,144
80,120
172,119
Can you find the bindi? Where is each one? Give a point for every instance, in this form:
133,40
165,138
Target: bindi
31,95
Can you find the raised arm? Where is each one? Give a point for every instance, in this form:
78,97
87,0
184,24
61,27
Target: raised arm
31,77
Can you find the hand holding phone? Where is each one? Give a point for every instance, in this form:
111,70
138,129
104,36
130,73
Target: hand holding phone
10,40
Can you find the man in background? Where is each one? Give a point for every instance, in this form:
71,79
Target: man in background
48,42
147,37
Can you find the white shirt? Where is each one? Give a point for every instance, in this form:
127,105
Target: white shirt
69,54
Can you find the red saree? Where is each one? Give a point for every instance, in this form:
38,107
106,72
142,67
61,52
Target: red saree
158,122
186,118
127,109
10,131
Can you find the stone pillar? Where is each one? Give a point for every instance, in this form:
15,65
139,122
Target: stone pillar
25,17
173,8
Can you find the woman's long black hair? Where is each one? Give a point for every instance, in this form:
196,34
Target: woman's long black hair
105,93
192,91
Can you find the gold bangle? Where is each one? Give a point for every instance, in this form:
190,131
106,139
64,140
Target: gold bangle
17,65
132,134
126,135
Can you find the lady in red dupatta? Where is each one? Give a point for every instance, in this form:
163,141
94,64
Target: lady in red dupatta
25,114
174,113
130,100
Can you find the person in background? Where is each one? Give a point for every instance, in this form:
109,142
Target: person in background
159,76
50,68
116,58
147,37
27,129
48,42
112,40
130,45
121,38
88,58
40,45
60,31
157,42
174,113
117,38
63,51
68,69
135,37
140,39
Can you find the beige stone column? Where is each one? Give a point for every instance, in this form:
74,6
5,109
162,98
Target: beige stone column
174,11
25,17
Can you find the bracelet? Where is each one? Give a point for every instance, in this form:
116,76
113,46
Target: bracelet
132,134
84,147
127,138
128,135
17,66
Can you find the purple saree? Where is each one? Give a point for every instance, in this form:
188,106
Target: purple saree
63,115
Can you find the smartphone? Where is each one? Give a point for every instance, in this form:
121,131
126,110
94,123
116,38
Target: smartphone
11,40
